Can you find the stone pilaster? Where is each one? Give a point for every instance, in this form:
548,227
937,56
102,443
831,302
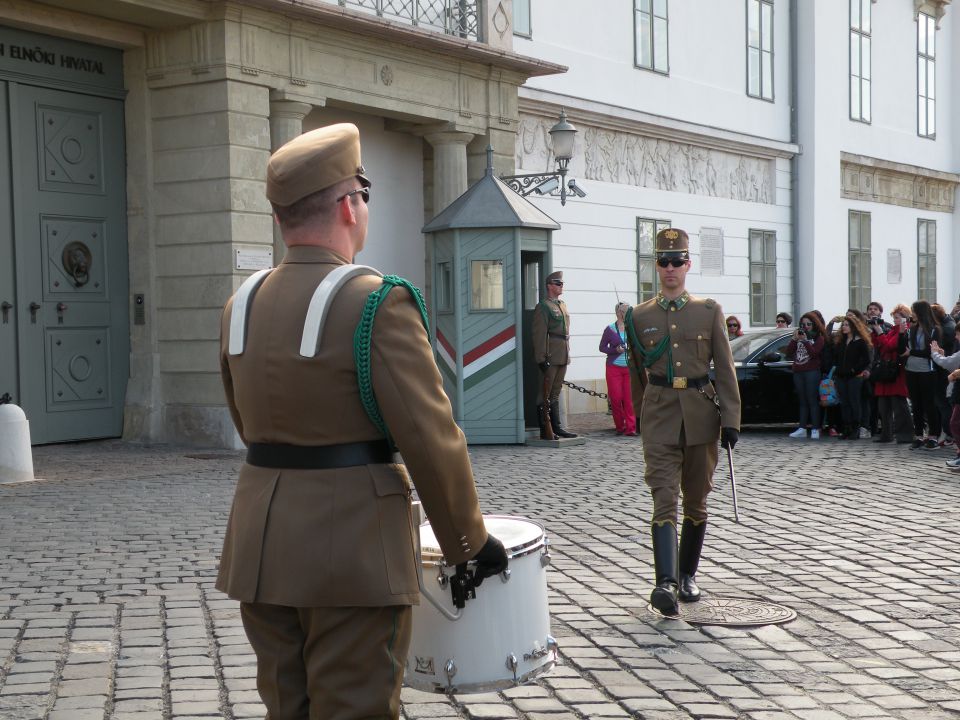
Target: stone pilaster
286,122
449,167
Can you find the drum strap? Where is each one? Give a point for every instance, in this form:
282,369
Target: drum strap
240,314
320,305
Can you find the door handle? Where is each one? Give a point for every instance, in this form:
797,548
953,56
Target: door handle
5,310
34,306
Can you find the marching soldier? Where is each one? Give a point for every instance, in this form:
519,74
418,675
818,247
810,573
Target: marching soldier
319,544
551,350
673,339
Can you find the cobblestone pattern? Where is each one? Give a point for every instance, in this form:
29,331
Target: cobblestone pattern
108,612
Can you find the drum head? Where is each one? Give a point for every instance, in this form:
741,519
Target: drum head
516,534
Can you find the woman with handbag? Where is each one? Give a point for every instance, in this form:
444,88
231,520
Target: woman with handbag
853,365
889,379
921,378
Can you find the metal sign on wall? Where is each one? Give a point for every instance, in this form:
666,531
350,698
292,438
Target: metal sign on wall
62,62
711,251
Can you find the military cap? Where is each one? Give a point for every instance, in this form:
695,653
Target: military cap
673,242
554,276
314,161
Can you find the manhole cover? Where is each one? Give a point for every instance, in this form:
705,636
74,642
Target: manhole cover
737,612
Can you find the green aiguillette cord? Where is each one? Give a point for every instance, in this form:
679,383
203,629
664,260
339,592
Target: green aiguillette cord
649,355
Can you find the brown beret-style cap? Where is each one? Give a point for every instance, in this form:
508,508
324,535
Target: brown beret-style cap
558,276
314,161
673,242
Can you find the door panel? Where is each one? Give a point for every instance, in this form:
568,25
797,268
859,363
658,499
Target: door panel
8,299
71,261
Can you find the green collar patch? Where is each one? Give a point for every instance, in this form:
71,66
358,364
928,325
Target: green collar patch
678,303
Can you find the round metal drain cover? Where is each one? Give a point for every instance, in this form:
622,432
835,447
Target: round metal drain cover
733,612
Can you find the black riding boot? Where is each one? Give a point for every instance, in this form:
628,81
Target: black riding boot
558,429
543,426
664,595
691,544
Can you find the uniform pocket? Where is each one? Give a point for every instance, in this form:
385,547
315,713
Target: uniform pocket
700,339
396,527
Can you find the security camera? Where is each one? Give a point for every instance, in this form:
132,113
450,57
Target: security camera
547,186
574,188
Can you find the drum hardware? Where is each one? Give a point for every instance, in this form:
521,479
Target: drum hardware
505,575
463,587
545,557
450,668
539,652
512,665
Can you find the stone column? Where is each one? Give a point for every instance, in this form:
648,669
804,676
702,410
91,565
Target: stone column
286,122
449,167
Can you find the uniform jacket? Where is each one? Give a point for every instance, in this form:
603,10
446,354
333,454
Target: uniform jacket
698,335
339,537
551,332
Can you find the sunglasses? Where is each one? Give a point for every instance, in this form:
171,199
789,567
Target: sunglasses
807,324
558,283
363,192
675,262
732,325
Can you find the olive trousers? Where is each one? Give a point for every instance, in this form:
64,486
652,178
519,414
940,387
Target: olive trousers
672,469
329,663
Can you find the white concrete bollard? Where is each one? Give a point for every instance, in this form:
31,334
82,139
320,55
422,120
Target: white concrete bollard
16,457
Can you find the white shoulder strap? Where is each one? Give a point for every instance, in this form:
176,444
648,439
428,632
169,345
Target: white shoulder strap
320,304
241,311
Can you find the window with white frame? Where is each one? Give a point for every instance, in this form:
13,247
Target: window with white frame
646,258
763,277
858,243
521,18
760,49
860,72
927,260
650,35
926,76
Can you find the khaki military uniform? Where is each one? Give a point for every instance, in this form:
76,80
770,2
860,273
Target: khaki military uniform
551,343
332,551
681,426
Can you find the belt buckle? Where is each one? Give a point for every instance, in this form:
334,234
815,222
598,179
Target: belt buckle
679,383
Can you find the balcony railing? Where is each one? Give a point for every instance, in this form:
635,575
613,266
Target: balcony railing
452,17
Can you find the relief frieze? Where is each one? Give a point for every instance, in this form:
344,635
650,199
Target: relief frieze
632,159
902,185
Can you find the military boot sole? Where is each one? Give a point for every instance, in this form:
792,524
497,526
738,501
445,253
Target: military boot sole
664,601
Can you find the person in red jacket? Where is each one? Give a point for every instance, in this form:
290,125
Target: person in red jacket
895,421
805,349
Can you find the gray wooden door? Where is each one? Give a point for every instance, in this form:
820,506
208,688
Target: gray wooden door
70,248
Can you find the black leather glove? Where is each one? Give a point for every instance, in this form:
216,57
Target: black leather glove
491,560
544,365
728,437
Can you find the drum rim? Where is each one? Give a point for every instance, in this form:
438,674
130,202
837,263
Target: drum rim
514,552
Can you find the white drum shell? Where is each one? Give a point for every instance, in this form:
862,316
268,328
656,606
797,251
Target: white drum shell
508,619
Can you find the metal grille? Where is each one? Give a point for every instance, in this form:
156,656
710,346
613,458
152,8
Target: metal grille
452,17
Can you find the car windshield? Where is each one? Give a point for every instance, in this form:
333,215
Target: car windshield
748,343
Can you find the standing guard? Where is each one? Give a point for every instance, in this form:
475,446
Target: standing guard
551,351
673,339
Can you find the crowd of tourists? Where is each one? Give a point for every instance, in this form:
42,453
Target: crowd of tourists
859,376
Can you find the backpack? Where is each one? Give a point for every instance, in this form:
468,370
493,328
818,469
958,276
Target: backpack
828,391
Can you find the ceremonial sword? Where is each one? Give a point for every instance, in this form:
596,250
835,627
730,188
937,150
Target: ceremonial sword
733,476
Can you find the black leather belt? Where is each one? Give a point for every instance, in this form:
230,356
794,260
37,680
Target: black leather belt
680,383
319,457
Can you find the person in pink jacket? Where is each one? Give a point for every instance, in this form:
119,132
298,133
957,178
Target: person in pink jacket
614,344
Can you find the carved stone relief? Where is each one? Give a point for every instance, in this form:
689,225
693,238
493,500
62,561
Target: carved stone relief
896,187
630,159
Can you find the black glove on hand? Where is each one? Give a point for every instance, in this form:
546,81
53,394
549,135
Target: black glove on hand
491,560
728,437
543,366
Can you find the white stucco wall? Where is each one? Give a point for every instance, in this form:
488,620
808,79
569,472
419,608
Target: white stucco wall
826,131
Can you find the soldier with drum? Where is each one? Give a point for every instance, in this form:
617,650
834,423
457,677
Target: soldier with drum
319,545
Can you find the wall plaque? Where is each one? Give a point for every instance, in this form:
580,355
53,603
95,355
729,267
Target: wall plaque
711,251
253,257
894,267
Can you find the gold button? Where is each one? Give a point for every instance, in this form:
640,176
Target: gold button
676,344
699,337
672,308
678,363
673,327
651,342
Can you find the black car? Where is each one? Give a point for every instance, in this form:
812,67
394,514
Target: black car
765,377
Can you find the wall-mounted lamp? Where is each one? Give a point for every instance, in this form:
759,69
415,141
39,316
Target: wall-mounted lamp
562,136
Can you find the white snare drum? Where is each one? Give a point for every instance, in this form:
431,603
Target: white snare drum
502,637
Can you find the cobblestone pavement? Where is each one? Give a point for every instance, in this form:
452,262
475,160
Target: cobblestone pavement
108,612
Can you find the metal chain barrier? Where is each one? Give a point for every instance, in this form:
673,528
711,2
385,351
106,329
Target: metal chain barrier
579,388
